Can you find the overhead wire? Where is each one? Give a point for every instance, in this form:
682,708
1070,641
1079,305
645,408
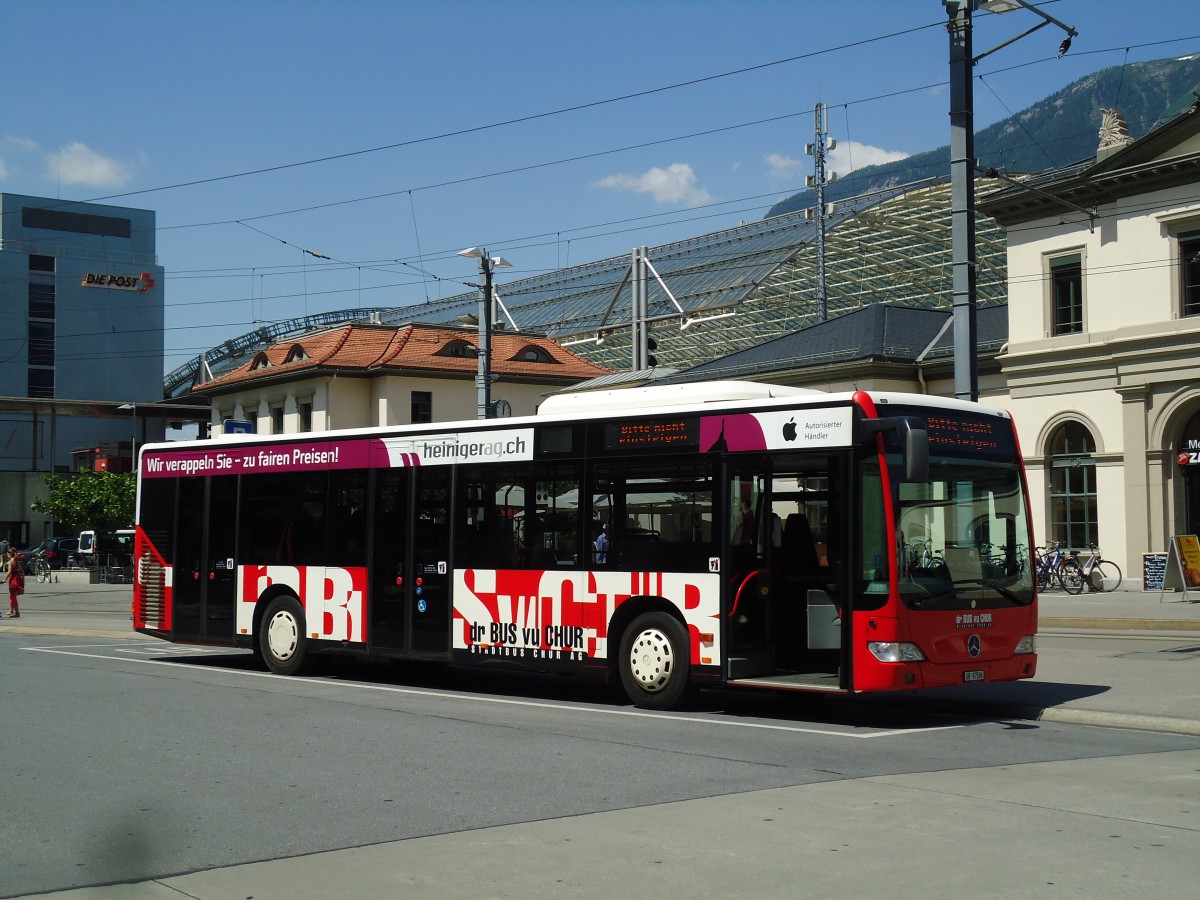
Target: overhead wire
533,117
421,255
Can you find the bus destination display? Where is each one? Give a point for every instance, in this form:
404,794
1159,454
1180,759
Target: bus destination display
646,434
960,435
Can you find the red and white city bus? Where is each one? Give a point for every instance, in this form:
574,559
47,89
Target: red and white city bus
722,533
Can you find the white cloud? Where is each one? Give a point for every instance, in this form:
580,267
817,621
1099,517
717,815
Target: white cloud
19,143
784,167
845,158
842,159
674,184
79,164
14,146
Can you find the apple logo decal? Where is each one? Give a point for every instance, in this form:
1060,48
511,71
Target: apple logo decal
789,430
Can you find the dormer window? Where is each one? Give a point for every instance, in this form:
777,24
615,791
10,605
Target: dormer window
459,349
295,353
261,361
533,353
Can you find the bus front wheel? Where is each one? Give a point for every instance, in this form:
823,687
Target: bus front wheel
281,639
654,661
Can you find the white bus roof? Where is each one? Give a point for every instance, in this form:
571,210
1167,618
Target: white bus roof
667,395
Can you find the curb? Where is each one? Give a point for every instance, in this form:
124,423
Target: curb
1062,714
48,631
1118,623
1130,721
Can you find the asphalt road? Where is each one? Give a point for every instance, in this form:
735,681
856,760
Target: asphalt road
136,761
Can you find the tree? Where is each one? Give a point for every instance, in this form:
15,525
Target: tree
100,500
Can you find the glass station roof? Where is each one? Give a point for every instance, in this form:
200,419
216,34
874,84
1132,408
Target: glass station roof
752,283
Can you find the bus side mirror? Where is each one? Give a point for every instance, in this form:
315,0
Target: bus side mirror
914,442
916,448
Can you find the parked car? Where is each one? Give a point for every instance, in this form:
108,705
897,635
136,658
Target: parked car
109,552
59,552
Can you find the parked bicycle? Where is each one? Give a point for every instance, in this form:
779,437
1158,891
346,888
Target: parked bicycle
998,560
1055,566
41,569
1100,574
922,555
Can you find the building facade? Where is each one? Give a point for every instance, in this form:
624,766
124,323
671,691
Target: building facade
363,375
1103,359
82,296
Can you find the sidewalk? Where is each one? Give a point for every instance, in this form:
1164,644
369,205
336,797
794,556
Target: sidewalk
1127,609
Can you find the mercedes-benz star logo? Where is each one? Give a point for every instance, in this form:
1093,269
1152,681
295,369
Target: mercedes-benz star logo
973,645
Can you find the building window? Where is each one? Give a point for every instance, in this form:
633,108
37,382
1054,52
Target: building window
296,353
40,330
276,420
1066,294
1073,517
533,353
422,407
41,301
1189,272
460,349
304,410
79,223
41,344
41,382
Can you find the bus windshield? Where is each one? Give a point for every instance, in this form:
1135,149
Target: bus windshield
963,537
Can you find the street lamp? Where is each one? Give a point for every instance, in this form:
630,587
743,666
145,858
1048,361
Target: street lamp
963,266
483,376
133,443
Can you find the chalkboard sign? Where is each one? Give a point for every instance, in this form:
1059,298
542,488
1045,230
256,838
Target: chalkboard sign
1154,571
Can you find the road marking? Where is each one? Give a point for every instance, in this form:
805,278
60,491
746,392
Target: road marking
502,701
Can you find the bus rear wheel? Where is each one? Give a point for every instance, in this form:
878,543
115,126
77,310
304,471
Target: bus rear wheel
655,661
281,640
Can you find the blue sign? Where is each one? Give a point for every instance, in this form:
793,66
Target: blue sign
421,606
237,426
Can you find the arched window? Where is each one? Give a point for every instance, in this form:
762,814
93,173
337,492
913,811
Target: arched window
533,353
459,349
296,353
1073,486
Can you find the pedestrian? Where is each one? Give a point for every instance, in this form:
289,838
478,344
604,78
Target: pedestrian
600,545
16,583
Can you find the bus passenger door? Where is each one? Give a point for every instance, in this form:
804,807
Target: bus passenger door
219,589
429,590
808,575
410,576
388,602
204,581
745,570
187,577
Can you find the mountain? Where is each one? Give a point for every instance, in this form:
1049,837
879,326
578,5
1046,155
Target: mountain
1054,132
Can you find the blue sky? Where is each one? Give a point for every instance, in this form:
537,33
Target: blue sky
155,104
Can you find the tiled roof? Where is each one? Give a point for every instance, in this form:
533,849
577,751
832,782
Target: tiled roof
407,349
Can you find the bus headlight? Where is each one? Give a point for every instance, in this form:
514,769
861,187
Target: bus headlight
893,651
1027,644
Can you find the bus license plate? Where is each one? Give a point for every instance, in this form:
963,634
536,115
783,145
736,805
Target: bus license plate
973,675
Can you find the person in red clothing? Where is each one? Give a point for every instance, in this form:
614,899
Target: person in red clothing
15,576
